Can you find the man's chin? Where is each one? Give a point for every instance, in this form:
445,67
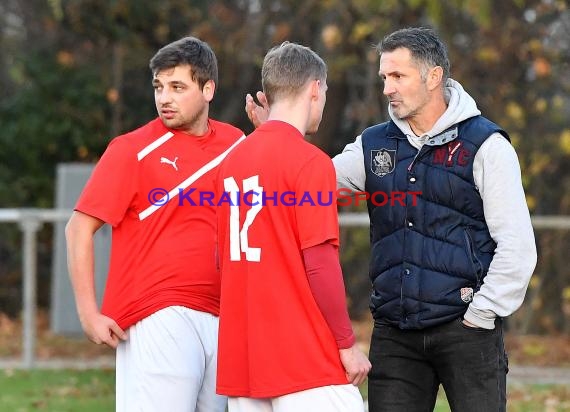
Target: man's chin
312,129
397,112
401,116
170,123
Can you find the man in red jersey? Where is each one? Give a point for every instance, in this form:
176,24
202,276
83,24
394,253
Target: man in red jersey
161,302
286,342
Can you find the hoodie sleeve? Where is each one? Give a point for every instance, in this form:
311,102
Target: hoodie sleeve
349,166
496,172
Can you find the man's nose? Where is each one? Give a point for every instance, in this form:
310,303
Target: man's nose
388,88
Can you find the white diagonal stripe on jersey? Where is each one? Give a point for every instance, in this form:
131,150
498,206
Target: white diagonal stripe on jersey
197,175
162,139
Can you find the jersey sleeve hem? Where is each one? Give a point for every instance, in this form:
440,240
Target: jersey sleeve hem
98,215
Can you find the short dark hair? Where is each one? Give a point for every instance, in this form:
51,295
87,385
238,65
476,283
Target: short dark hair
424,45
188,51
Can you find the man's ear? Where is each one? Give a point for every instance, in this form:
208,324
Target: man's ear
208,90
434,78
315,89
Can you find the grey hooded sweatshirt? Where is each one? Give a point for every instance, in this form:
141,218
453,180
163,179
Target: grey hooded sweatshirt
497,175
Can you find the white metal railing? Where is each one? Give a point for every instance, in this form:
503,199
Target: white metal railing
31,220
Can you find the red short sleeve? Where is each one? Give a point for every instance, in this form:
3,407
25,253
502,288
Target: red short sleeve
109,191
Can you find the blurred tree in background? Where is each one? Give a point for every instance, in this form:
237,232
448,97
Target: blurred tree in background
74,74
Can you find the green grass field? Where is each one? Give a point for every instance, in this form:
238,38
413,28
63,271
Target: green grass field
57,391
93,391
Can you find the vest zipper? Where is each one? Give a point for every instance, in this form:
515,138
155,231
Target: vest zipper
419,154
471,250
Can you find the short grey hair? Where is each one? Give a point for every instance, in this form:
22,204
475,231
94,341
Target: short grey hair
426,48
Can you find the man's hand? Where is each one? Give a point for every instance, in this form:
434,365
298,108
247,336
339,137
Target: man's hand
101,329
255,113
355,363
469,324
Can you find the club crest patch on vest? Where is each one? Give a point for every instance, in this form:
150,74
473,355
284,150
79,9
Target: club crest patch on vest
466,294
383,161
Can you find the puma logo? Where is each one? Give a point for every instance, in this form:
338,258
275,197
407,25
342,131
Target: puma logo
170,162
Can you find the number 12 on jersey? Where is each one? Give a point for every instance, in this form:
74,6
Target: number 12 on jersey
239,241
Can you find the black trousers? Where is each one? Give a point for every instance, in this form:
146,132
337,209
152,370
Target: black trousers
408,367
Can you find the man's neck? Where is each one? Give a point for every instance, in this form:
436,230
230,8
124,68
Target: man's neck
424,122
292,112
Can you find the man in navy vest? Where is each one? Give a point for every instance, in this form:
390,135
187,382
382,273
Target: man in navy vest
449,263
452,248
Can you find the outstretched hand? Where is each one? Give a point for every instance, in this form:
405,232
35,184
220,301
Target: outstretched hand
257,114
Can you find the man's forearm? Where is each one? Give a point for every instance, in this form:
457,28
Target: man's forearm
81,263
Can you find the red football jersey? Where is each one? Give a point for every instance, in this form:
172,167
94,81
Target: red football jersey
147,185
273,338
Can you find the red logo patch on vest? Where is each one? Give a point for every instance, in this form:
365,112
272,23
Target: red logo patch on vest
450,154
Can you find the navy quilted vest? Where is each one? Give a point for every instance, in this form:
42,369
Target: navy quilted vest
431,247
